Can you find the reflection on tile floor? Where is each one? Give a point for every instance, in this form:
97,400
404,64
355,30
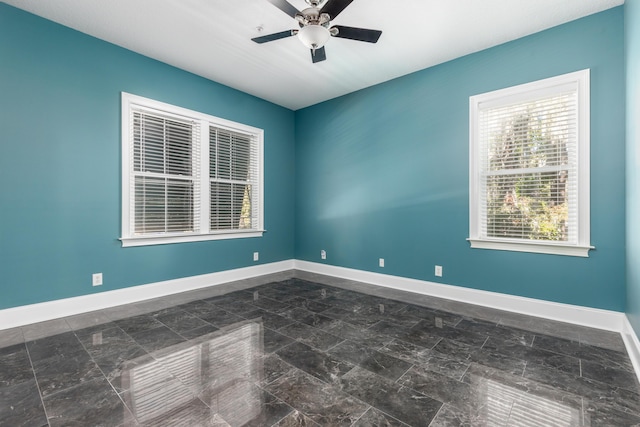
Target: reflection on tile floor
299,353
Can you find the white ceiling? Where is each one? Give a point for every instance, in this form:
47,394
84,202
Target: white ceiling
212,38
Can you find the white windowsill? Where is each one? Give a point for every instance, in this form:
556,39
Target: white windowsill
540,248
166,239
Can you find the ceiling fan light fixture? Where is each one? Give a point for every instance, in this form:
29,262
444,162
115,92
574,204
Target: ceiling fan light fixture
314,36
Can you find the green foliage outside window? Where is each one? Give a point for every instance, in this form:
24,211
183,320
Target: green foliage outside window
528,174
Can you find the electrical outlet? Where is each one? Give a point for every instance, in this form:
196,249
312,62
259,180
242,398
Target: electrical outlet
438,271
381,262
323,254
96,279
256,256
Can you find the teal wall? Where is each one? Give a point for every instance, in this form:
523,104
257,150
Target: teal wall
383,172
60,175
632,44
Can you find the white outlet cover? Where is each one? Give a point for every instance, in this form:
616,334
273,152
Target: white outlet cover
96,279
438,271
381,262
256,256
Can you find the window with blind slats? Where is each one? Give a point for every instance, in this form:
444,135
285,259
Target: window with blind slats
187,176
529,167
230,173
165,169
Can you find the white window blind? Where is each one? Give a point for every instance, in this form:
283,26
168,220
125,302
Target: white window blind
188,176
166,174
529,180
529,169
233,176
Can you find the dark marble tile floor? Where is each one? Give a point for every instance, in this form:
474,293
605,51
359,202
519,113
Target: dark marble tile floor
300,353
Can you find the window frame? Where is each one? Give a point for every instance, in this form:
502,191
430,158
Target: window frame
203,122
524,93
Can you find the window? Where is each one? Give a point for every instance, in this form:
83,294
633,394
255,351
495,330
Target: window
187,176
529,167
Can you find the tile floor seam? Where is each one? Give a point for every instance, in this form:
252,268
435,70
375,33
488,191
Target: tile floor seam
91,357
436,344
510,412
35,378
484,342
124,404
361,415
598,382
369,404
580,363
332,347
464,373
437,413
391,416
403,374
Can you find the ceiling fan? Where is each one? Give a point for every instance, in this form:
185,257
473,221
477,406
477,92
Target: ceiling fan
315,29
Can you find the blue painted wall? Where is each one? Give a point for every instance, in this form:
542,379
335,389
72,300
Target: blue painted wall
383,172
60,165
632,44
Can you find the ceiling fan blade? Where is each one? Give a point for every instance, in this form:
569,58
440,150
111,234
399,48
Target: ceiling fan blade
334,7
360,34
272,37
285,6
318,55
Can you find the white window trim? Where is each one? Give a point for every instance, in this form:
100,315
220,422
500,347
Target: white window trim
514,94
129,101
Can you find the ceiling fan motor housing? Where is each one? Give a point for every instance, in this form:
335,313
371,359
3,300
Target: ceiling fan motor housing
312,16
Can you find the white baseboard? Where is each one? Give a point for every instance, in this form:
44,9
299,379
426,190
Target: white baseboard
633,345
585,316
33,313
592,317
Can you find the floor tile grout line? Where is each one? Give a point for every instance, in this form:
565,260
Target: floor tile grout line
104,375
437,413
286,416
333,346
370,405
73,354
484,342
436,344
348,394
580,363
361,415
124,404
35,378
403,374
464,373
